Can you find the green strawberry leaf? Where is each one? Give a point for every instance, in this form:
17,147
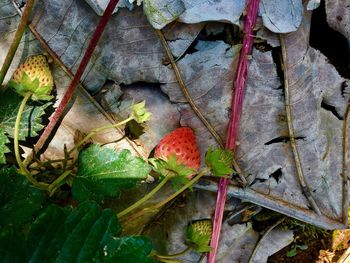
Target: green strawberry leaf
31,120
103,172
140,113
3,148
178,172
128,249
85,234
12,245
19,200
65,235
219,161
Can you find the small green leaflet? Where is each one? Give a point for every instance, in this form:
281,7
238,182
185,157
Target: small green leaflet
31,119
177,171
140,113
103,172
219,161
3,148
19,200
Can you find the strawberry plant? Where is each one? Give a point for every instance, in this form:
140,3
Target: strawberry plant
47,222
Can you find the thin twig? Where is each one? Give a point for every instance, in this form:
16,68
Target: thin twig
233,126
193,105
345,172
17,39
263,238
293,144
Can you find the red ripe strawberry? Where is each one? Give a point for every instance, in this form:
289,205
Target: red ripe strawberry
182,143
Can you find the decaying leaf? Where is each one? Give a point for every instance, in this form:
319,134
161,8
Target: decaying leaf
338,16
131,55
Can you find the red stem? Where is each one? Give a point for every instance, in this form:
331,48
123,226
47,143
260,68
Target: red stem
85,60
233,126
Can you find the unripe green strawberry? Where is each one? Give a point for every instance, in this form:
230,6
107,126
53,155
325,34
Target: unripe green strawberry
33,76
198,234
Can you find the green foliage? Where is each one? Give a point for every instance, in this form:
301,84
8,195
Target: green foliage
179,173
33,86
294,250
30,123
140,113
103,172
84,234
219,161
128,249
307,230
19,200
3,148
71,235
12,245
198,235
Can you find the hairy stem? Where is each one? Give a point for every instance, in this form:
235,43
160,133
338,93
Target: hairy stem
164,260
95,131
293,144
17,39
22,167
54,184
144,199
58,114
171,197
16,134
233,126
182,189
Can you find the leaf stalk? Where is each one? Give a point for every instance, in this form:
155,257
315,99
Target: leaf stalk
22,168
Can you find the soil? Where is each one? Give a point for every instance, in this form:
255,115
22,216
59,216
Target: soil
325,248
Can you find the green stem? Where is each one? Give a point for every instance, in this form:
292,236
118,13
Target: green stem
189,184
17,39
168,260
145,198
174,255
93,132
55,183
159,205
22,168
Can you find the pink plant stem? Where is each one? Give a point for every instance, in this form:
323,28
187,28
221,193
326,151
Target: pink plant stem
85,60
233,126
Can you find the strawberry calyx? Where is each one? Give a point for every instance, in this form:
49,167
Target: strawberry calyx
33,76
180,143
